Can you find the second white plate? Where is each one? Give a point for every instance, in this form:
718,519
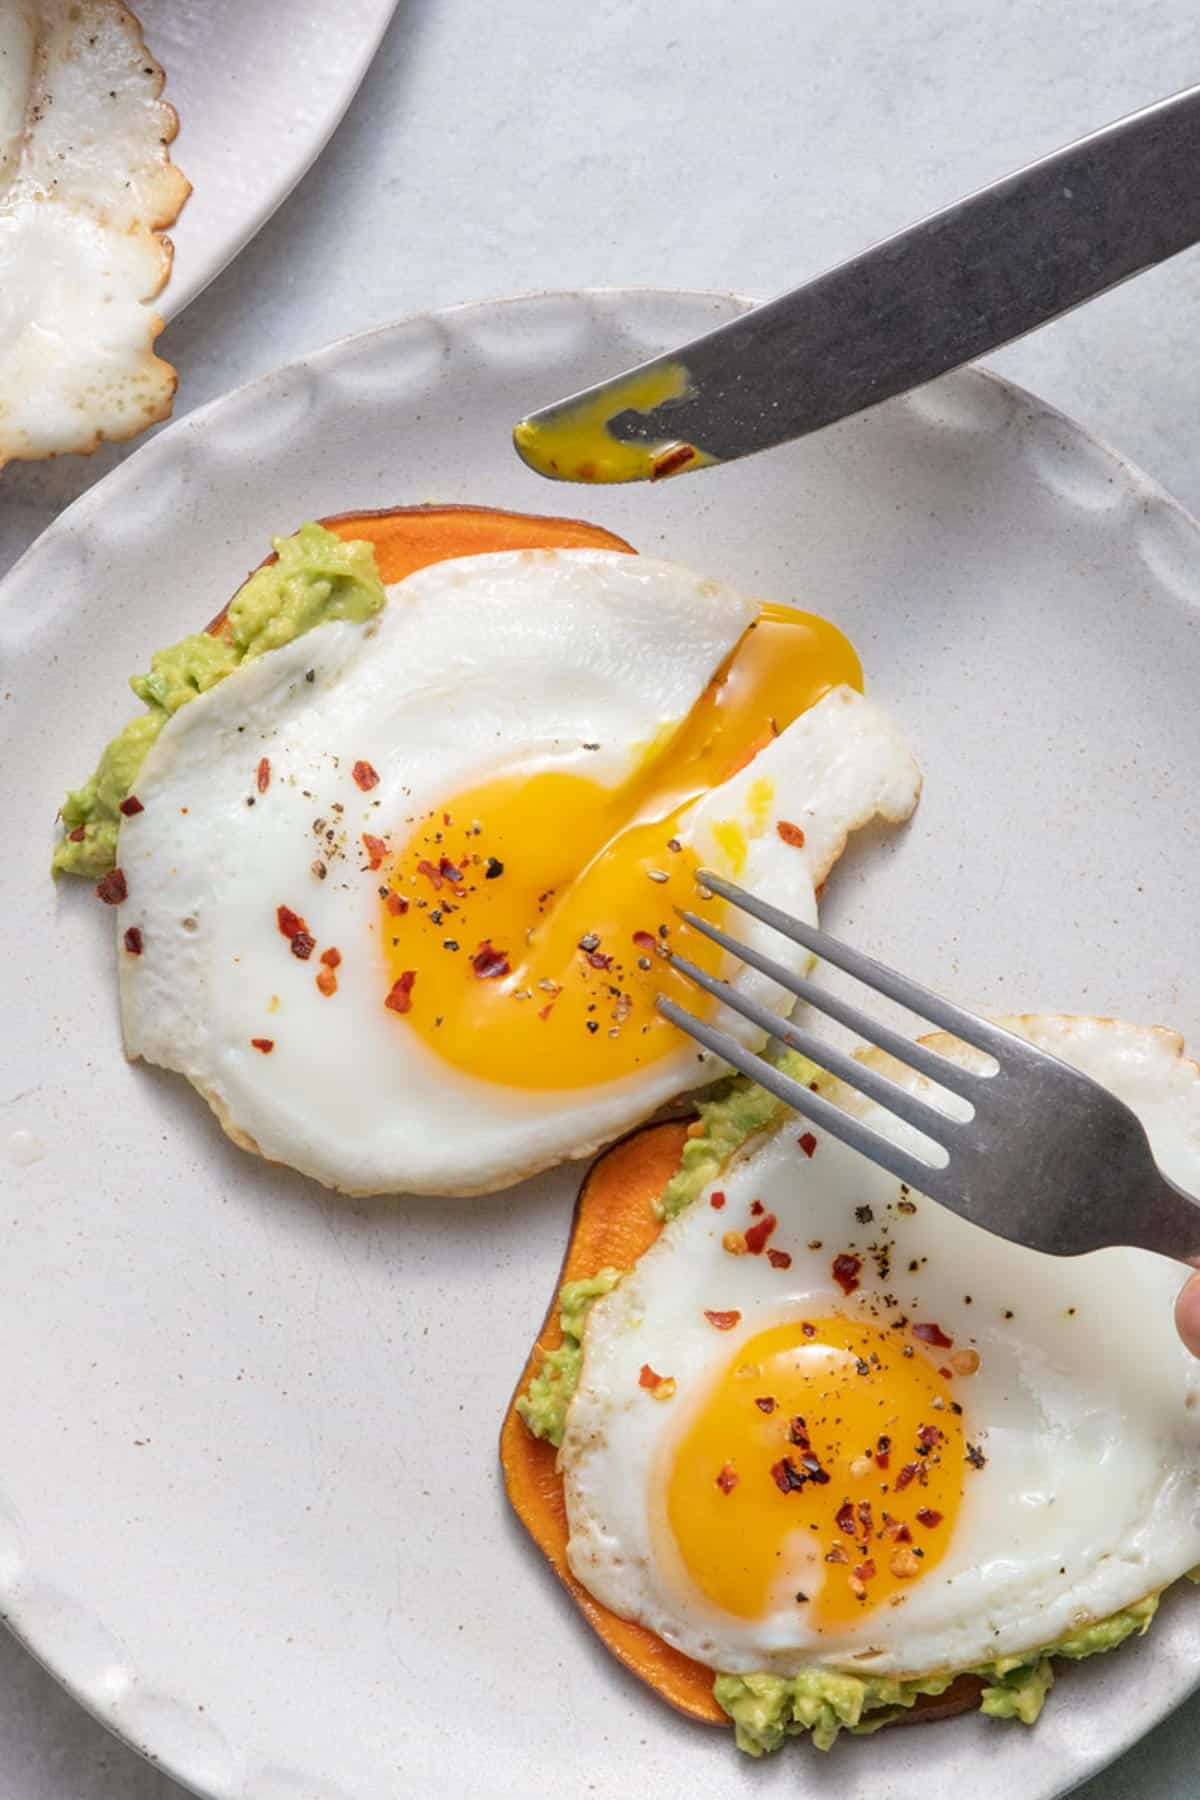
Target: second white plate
249,1504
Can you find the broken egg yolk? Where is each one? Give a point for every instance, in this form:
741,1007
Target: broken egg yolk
823,1470
525,918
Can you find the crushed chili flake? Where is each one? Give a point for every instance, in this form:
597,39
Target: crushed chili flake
798,1433
331,957
650,1378
599,960
807,1329
837,1554
779,1259
545,1011
791,834
757,1209
844,1517
645,940
788,1478
432,875
908,1473
77,836
399,997
933,1334
266,1045
846,1271
133,941
112,888
289,923
129,806
396,904
928,1517
364,776
865,1571
929,1437
756,1235
488,962
671,460
865,1518
807,1142
717,1200
375,848
303,945
262,779
765,1403
327,981
727,1480
723,1321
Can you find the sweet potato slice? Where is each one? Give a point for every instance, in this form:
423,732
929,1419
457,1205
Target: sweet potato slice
614,1222
407,538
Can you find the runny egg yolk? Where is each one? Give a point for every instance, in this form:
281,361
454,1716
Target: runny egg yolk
524,918
822,1472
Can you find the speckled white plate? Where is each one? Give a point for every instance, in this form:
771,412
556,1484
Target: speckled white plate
249,1504
259,86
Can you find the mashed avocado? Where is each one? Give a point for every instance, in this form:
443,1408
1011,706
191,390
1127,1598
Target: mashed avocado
766,1709
316,576
544,1407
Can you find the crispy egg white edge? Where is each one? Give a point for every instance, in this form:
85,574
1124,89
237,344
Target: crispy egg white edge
1103,1404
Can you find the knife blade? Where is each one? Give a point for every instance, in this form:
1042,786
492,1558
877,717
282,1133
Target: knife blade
962,282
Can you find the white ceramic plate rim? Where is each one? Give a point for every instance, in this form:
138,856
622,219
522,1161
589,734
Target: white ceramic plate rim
195,425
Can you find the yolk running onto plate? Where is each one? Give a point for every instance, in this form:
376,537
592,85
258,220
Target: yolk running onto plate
823,1471
522,918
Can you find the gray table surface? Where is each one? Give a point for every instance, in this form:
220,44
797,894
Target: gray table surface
552,143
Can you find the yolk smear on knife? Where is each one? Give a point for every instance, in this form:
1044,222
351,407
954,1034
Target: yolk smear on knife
526,915
824,1469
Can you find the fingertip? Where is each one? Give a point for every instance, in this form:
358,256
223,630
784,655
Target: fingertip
1187,1314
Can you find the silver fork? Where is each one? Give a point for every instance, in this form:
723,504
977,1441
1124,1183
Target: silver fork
1048,1158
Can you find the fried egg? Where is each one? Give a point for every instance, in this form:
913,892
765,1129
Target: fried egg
86,188
825,1421
396,893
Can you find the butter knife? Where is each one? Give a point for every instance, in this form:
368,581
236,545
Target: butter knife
962,282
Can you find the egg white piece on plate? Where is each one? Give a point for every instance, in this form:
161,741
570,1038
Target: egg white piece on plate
86,188
567,661
1066,1489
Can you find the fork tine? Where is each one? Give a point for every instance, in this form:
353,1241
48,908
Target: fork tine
924,1177
908,1106
993,1039
940,1069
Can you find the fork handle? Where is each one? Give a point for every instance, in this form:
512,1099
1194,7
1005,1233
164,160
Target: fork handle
1165,1219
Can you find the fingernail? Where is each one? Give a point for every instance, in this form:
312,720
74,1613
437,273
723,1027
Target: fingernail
1187,1315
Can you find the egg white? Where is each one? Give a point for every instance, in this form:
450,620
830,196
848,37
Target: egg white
490,663
86,187
1085,1404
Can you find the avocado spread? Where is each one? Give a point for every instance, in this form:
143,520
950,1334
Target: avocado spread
315,576
766,1709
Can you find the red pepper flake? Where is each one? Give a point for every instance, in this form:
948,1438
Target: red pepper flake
266,1045
327,981
843,1518
798,1433
290,923
129,806
717,1200
807,1143
426,868
396,904
77,836
791,834
727,1480
331,957
723,1321
112,888
929,1437
788,1478
807,1329
133,941
375,848
765,1403
908,1473
671,460
545,1011
846,1271
263,778
837,1554
364,776
865,1519
599,959
650,1378
865,1571
928,1517
779,1259
488,962
303,945
756,1209
883,1452
645,940
399,997
757,1235
933,1334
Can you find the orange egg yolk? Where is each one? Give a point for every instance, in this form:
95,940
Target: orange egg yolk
524,918
822,1474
